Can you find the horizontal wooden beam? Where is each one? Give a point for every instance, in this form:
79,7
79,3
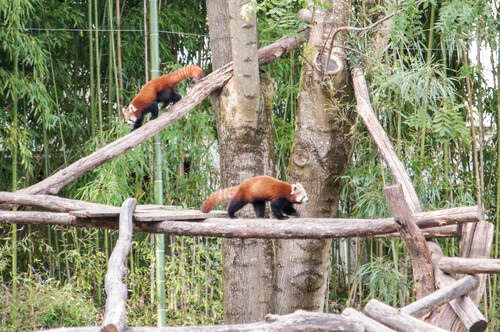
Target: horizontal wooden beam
52,203
295,228
468,265
298,321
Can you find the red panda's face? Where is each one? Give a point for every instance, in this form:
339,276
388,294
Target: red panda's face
131,114
299,194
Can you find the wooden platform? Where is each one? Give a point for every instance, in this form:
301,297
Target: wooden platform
151,213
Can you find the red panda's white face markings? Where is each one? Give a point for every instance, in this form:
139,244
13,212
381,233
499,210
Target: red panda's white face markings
299,194
129,114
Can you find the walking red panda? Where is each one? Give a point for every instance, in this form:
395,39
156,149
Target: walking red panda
257,191
158,90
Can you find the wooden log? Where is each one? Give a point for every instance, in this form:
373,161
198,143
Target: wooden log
51,203
441,296
295,228
476,242
116,291
414,240
370,325
469,265
214,81
430,233
395,319
298,321
365,110
35,217
463,307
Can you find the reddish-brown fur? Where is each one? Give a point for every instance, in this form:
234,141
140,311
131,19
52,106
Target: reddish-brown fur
156,90
257,190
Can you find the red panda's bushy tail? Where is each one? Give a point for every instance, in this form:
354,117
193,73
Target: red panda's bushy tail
218,197
183,73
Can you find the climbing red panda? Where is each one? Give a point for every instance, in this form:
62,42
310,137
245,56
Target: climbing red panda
160,89
257,191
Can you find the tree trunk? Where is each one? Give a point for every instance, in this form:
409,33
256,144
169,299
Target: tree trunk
321,152
245,144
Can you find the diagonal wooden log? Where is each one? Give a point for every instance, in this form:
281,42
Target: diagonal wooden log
414,240
216,80
116,291
396,319
365,110
370,324
442,316
441,296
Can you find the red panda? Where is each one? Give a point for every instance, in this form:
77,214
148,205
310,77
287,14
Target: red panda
257,191
160,89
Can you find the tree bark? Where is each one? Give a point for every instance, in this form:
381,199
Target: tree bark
246,150
321,151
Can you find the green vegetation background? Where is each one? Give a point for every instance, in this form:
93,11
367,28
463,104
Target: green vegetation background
59,101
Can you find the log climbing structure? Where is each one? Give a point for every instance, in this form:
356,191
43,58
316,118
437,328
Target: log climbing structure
448,289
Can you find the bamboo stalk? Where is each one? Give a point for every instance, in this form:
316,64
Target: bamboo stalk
98,65
427,61
14,177
119,55
157,175
497,212
91,65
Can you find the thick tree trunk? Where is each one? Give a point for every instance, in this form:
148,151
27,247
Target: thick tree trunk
321,152
245,146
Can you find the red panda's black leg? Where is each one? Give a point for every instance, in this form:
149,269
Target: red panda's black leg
154,110
175,97
277,207
289,209
260,208
234,207
168,96
138,122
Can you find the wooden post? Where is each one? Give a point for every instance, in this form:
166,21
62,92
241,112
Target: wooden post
114,316
414,241
476,242
463,306
441,296
396,319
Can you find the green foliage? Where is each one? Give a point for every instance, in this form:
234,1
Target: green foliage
418,91
46,304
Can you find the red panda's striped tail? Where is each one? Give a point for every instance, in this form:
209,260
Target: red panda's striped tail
183,73
218,197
